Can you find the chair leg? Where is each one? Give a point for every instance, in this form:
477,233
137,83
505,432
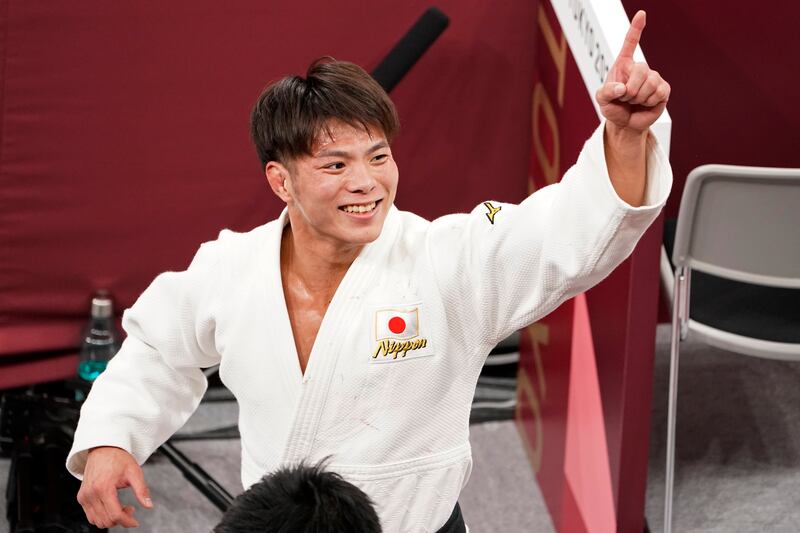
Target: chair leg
685,302
679,293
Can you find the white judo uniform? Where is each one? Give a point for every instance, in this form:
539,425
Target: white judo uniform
391,376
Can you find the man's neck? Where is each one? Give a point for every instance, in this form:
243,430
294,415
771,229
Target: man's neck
318,264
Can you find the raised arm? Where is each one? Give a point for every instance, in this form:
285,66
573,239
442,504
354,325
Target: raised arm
504,266
631,100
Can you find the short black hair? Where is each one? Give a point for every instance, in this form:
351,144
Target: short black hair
301,499
291,113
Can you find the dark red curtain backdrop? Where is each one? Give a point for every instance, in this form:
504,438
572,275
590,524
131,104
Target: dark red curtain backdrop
123,126
125,132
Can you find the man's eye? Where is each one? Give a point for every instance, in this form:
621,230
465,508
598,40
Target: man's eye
335,166
380,157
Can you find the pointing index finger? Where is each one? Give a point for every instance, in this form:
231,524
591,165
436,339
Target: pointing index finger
634,34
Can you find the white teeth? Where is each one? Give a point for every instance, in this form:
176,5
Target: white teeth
360,208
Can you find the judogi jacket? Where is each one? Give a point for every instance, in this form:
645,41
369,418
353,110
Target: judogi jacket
392,373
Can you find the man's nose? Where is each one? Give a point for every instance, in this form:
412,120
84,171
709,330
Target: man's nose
361,179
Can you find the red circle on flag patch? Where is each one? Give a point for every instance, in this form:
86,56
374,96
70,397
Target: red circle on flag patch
397,325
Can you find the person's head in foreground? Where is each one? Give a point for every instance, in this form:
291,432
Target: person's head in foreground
301,499
324,144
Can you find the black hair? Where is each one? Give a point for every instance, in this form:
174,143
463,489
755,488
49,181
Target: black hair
301,499
291,113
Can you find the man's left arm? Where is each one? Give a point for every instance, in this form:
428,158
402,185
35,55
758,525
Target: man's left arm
631,100
504,266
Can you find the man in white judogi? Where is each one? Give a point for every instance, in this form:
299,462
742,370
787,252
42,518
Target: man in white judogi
352,329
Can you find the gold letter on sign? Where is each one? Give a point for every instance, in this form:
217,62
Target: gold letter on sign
540,336
527,396
557,50
541,103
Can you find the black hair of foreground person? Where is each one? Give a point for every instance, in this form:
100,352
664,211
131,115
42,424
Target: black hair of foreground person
301,499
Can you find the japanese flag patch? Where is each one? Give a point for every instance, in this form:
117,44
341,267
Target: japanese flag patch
398,334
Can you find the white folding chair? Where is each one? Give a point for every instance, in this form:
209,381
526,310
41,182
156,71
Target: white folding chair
740,224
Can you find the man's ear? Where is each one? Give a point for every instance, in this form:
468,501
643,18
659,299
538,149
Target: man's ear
277,176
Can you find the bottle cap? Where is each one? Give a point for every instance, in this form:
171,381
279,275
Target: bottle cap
102,307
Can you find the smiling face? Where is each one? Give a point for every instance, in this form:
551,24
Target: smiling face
339,195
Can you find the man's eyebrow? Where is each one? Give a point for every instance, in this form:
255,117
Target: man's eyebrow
378,145
342,153
332,153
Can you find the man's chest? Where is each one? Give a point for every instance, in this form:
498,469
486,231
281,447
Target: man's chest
385,318
305,317
390,320
381,330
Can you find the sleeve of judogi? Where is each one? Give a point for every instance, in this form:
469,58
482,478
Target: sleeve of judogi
155,382
502,269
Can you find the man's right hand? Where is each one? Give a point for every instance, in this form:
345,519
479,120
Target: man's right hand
107,470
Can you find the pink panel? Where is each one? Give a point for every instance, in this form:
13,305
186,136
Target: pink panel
586,462
602,360
571,518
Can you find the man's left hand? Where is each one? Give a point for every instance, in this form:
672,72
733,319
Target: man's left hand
634,95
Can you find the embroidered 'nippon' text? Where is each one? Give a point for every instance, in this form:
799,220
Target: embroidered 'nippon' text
401,348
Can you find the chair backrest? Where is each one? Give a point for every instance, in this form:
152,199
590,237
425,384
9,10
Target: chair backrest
741,223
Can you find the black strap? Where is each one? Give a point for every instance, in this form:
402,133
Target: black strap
454,524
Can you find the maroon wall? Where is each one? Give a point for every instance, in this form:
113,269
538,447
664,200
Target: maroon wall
733,70
125,137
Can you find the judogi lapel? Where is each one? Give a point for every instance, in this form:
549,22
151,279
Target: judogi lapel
310,390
